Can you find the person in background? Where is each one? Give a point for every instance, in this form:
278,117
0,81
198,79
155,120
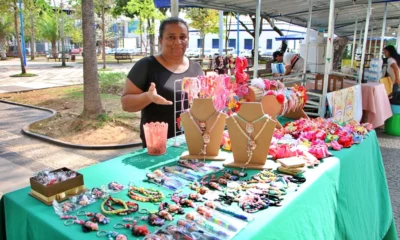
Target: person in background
220,65
393,59
292,61
230,61
149,87
393,62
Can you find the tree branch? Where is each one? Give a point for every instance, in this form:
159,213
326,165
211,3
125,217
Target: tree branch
246,28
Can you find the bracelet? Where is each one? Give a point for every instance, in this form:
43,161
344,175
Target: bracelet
150,195
128,207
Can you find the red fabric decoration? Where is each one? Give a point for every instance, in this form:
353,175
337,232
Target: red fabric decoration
280,98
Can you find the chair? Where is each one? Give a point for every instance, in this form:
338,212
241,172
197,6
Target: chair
332,78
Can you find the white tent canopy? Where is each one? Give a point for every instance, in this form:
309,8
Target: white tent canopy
296,12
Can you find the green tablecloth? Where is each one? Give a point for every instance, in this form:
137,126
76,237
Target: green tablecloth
346,199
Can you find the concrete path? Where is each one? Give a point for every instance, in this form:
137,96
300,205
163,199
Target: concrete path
49,74
21,156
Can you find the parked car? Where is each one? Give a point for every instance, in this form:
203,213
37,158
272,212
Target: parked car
194,53
245,53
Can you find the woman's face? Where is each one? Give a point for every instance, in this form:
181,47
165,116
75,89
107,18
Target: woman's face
386,52
175,39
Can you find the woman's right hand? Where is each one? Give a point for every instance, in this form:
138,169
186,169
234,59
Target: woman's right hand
155,98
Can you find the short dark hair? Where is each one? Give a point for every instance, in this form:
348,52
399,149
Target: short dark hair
276,54
171,20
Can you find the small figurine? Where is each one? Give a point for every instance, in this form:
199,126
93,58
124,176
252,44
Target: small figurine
100,218
195,197
154,220
115,186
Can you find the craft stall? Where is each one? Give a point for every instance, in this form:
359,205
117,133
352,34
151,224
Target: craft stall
242,169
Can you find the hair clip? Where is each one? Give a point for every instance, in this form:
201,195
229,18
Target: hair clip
115,186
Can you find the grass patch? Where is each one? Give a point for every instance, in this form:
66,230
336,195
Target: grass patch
105,69
112,82
62,66
24,75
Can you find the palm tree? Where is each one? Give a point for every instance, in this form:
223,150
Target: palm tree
92,106
48,31
5,31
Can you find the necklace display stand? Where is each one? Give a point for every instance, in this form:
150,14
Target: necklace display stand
250,132
203,126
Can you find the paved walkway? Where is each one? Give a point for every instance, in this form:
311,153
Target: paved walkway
21,156
49,74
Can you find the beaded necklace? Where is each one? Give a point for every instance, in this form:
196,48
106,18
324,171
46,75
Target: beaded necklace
128,207
251,142
146,195
202,127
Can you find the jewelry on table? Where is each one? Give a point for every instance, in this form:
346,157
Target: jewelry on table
181,172
146,195
211,184
237,173
182,200
252,204
227,211
115,186
195,197
98,193
111,235
202,127
201,222
198,188
87,226
207,213
165,215
95,217
171,208
68,217
128,207
251,142
159,178
136,230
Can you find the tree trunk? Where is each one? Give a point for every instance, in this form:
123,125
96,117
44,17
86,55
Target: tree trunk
54,48
62,40
32,39
92,105
141,36
339,45
23,70
103,37
152,45
278,31
202,44
3,43
228,31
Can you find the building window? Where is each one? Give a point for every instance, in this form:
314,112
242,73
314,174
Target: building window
215,43
232,43
248,43
269,44
199,43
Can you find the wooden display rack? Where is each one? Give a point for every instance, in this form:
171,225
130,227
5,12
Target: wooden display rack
272,107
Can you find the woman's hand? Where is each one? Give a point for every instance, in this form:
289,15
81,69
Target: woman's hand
155,98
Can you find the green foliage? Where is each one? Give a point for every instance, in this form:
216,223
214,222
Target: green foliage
120,9
48,27
102,119
347,52
112,82
24,75
204,20
5,26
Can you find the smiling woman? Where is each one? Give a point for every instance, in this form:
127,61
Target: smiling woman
150,84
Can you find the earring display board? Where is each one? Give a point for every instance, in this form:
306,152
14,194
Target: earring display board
203,126
272,107
250,132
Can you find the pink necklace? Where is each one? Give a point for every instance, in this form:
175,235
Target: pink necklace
202,127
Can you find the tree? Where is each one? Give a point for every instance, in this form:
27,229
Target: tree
103,7
5,32
228,21
92,106
271,23
49,31
145,10
16,11
205,21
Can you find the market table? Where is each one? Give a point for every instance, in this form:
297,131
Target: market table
346,197
375,103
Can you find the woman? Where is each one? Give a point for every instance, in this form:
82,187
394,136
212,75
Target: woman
230,61
150,84
220,65
394,73
393,63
